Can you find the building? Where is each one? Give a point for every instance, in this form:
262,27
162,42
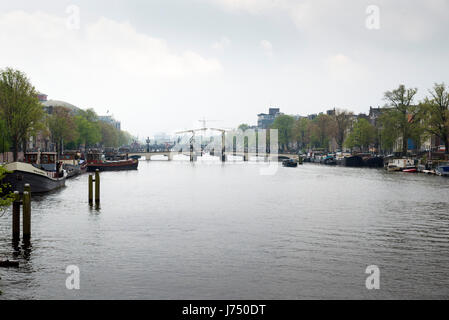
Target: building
110,119
265,120
374,114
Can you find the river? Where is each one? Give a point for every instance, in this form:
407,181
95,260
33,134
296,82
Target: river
207,230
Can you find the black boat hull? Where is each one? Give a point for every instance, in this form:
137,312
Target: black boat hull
354,161
100,167
16,181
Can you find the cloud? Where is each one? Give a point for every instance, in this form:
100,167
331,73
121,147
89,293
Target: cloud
267,47
222,44
402,21
342,68
106,45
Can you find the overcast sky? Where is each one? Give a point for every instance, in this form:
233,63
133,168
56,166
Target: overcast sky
162,65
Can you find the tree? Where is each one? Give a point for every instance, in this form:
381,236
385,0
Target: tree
243,127
362,135
342,121
89,132
284,124
4,137
5,196
125,138
434,111
109,135
400,108
321,131
301,132
62,126
19,106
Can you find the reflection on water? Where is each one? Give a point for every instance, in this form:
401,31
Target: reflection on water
177,230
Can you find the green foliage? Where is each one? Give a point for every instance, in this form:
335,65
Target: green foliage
243,127
89,132
109,135
321,130
362,135
125,138
62,126
342,120
434,113
19,106
402,116
6,198
301,132
284,124
4,137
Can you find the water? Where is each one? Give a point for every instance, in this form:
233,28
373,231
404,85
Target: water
177,230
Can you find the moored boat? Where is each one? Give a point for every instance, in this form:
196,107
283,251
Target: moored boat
353,161
290,163
96,160
401,165
373,161
442,169
73,164
40,171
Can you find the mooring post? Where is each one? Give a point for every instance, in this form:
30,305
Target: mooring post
26,216
97,187
245,149
91,190
16,217
223,148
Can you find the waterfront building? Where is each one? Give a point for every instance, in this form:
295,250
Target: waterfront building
265,120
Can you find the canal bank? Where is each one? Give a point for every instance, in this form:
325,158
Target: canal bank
180,230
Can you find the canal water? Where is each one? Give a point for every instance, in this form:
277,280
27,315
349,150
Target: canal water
207,230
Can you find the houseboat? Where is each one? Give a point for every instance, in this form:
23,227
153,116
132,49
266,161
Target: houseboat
442,169
404,164
72,163
352,161
96,160
40,170
290,163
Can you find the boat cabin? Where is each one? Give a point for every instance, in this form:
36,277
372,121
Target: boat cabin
95,157
44,160
71,157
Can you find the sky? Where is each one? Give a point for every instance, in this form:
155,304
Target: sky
162,65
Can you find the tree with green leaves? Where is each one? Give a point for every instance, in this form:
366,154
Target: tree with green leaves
4,137
361,136
89,132
301,132
243,127
401,113
284,124
434,112
342,121
19,107
62,126
321,131
6,197
109,134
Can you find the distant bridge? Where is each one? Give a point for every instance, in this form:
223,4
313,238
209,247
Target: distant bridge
193,155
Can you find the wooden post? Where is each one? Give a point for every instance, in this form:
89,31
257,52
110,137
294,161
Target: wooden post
223,147
16,217
97,187
91,190
26,216
245,148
